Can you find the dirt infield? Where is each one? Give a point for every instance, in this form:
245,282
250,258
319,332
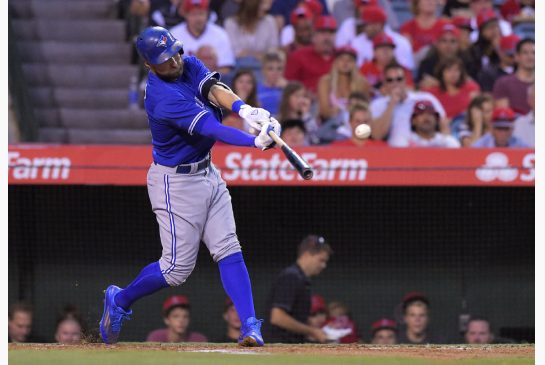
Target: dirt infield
432,352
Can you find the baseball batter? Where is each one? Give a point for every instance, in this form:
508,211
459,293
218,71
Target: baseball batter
187,194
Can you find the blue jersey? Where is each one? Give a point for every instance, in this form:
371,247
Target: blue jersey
174,112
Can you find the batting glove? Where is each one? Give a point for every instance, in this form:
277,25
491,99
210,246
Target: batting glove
263,140
254,116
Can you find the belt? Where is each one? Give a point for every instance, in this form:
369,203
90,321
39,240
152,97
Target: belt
191,168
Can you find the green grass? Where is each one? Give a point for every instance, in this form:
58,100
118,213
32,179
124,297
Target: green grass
106,356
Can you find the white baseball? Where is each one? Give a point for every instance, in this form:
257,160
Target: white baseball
363,131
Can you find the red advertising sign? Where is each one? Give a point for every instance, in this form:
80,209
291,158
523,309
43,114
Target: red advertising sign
349,166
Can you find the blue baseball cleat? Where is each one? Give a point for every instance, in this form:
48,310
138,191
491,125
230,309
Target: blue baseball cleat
113,316
250,333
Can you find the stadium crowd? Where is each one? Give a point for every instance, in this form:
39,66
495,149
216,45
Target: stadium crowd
455,73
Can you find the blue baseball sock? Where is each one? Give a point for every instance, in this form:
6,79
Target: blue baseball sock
236,283
147,282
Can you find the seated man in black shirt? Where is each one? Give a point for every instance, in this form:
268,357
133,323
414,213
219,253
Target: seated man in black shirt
288,304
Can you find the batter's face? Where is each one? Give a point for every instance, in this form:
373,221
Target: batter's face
178,320
19,327
384,337
169,70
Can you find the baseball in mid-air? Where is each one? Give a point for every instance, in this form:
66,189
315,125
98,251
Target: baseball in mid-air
363,131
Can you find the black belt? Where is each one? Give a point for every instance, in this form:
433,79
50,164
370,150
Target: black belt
186,169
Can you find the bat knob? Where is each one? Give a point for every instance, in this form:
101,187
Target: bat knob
308,174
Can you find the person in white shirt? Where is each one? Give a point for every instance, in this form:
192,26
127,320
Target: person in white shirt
197,31
425,129
374,19
525,127
392,112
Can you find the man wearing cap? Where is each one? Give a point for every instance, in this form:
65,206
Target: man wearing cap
384,332
480,7
392,112
348,14
374,19
446,46
281,9
308,64
464,26
501,135
299,32
383,54
491,73
177,318
196,31
289,300
511,90
425,129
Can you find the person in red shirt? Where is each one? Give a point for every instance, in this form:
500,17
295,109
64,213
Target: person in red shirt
455,90
383,54
308,64
425,27
301,19
359,114
176,315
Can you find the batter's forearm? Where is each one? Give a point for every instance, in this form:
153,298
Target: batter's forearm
222,96
282,319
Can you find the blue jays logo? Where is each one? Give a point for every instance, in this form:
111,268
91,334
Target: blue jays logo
162,41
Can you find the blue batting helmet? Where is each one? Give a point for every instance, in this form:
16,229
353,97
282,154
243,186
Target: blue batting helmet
156,45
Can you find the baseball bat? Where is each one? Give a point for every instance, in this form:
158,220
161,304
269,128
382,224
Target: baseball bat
293,157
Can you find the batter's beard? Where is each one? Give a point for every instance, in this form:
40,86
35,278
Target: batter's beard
172,77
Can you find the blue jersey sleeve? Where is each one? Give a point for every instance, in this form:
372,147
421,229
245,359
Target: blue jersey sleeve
182,114
199,73
210,127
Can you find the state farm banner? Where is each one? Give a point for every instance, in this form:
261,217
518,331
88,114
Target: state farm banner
349,166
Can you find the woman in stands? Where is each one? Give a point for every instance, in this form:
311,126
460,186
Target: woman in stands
478,120
245,86
455,90
335,87
252,31
296,103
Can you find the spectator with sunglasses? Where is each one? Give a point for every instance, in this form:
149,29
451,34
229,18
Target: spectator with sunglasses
392,112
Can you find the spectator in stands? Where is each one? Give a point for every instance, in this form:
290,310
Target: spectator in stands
447,46
478,332
197,31
289,300
425,129
269,90
224,9
478,120
177,318
245,86
298,33
230,316
464,26
383,54
318,314
308,64
424,29
501,135
335,87
294,132
490,73
20,323
479,7
455,90
348,14
165,13
68,331
207,54
525,128
511,90
374,20
340,318
415,307
518,11
384,332
296,104
455,8
484,51
392,112
359,114
252,31
281,9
